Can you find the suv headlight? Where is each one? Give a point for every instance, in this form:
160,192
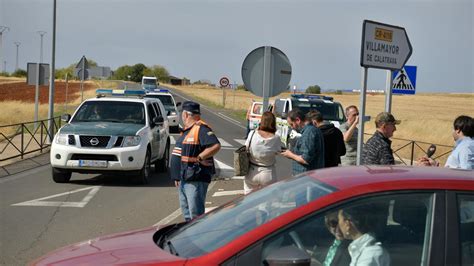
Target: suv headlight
62,139
131,141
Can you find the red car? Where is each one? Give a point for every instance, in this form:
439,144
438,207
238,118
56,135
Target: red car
385,215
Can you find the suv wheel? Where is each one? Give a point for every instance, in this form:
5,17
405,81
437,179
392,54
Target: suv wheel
145,173
162,164
60,176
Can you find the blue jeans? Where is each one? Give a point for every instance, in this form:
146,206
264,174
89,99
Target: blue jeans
192,198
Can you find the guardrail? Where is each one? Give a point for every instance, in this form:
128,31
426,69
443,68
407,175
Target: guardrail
18,140
407,151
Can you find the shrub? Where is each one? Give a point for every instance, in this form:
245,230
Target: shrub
19,73
314,89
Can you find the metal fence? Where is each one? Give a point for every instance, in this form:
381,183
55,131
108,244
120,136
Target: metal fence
18,140
407,151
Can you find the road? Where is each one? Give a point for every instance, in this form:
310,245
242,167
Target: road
38,215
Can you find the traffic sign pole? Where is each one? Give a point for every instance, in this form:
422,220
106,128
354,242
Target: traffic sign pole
266,75
388,91
362,118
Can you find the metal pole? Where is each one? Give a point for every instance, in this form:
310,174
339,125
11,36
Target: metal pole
360,137
3,29
267,56
17,45
51,78
67,84
82,79
37,92
388,92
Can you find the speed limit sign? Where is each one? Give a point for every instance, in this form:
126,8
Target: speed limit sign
224,82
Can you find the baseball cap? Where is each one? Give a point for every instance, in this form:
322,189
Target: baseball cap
385,117
192,107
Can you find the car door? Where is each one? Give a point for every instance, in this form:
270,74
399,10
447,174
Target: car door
403,230
154,132
163,128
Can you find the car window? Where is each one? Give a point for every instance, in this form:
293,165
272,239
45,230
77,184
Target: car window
110,111
466,227
391,229
166,100
244,214
151,113
157,109
330,111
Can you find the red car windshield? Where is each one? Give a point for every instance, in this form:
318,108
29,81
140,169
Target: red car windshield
244,214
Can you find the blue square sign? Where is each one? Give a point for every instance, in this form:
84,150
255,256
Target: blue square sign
404,80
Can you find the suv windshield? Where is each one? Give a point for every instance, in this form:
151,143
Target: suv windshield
330,111
149,81
166,100
242,215
111,111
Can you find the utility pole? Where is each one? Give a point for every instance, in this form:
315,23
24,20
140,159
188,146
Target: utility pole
41,33
51,79
17,45
3,29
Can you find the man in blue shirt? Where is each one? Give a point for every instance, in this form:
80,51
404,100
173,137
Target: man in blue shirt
463,154
308,152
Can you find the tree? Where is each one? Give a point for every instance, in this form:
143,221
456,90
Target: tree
123,72
314,89
161,73
19,73
137,72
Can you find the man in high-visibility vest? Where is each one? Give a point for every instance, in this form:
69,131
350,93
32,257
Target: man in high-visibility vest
192,163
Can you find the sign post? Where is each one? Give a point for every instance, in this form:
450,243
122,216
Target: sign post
38,75
81,71
386,47
266,72
224,83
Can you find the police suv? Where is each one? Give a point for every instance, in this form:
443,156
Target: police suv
332,111
169,103
120,131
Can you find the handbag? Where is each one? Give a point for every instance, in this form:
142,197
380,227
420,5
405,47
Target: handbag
242,159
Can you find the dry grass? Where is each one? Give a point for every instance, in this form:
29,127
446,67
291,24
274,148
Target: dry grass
11,79
425,117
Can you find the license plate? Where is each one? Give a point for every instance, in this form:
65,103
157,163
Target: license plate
92,163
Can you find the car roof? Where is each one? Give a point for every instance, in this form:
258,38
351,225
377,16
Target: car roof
367,178
122,99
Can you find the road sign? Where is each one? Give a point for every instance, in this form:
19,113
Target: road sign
384,46
404,80
224,82
276,77
32,75
78,73
83,63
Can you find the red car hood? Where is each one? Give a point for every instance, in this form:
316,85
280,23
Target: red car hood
135,247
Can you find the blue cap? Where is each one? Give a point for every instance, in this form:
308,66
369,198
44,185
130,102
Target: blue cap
192,107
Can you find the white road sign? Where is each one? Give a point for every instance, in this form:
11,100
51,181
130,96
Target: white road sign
384,46
224,82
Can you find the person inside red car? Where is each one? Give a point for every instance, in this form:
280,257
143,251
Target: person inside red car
355,223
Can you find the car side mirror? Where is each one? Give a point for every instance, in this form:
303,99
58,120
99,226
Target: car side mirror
178,104
284,115
65,117
289,255
168,113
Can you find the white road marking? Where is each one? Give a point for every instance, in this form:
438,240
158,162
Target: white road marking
237,177
209,209
240,141
228,193
80,204
222,166
224,143
228,118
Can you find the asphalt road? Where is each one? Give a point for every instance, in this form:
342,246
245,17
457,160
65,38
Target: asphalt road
38,215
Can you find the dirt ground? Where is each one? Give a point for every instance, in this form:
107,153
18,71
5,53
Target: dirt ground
20,91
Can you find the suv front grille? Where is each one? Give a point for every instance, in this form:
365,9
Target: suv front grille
96,157
94,141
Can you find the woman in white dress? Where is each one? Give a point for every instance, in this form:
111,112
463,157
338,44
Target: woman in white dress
264,146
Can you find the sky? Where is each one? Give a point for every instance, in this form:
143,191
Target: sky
209,39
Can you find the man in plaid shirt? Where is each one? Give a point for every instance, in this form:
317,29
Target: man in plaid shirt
378,148
308,152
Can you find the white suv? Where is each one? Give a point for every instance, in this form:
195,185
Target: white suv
170,106
112,134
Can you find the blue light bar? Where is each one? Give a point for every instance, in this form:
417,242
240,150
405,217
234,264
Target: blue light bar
312,97
122,93
160,90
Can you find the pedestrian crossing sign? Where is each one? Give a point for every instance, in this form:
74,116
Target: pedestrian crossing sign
404,80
